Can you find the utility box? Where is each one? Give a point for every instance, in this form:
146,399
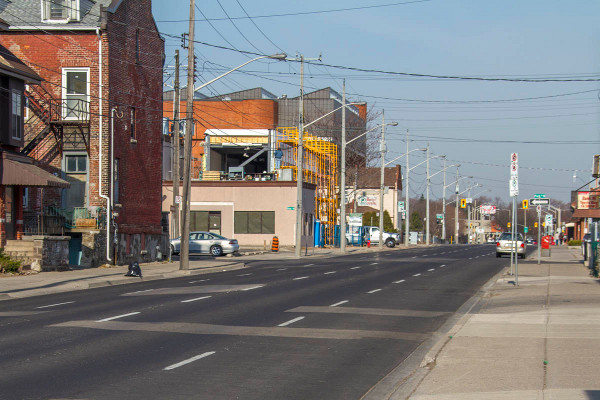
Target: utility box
546,241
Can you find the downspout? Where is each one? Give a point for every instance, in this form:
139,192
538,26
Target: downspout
101,146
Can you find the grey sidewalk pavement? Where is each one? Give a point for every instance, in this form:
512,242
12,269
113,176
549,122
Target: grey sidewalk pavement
539,340
20,286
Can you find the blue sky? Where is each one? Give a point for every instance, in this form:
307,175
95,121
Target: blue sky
512,39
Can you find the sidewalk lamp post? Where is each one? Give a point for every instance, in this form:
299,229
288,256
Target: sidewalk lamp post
184,262
382,173
343,171
444,186
427,234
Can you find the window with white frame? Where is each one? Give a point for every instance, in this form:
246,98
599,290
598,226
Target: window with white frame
17,115
60,10
76,89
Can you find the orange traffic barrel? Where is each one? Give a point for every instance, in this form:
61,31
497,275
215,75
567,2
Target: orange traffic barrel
275,244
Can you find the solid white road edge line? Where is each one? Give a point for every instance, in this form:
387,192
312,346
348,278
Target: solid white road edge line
291,321
197,298
58,304
118,316
339,303
189,360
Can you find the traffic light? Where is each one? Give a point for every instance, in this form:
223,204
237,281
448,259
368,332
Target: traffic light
463,203
535,224
525,204
543,224
508,225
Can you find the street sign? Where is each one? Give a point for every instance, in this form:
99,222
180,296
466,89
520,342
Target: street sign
177,199
548,219
539,209
290,208
526,229
403,214
539,202
513,186
469,200
439,216
539,196
400,206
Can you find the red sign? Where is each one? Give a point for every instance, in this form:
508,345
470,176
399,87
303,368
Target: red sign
546,240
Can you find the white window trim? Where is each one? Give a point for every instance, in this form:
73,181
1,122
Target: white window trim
77,11
64,88
20,94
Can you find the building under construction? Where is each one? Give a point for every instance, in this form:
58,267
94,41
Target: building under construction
320,168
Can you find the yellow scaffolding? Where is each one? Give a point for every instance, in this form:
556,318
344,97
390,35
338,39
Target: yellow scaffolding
320,168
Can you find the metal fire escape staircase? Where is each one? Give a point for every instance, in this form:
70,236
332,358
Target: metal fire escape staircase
52,116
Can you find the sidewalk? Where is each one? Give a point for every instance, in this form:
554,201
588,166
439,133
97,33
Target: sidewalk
21,286
539,340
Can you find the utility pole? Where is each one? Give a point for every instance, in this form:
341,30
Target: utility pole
427,205
444,205
406,206
456,211
343,174
381,183
184,261
175,172
300,158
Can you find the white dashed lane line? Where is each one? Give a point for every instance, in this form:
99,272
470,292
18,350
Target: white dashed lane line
252,288
117,316
417,275
250,273
330,272
442,266
355,268
189,360
59,304
374,263
373,291
309,265
431,269
197,298
200,280
281,269
291,321
300,277
339,303
400,281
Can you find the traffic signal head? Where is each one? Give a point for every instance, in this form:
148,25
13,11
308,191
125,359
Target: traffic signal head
535,224
508,225
463,203
525,204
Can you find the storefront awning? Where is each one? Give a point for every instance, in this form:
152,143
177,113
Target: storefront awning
579,213
22,173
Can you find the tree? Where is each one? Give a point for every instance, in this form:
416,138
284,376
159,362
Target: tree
372,219
416,222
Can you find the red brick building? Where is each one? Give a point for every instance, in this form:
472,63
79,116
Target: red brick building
94,121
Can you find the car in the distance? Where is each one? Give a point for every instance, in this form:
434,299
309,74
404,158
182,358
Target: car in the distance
390,239
529,240
505,245
207,243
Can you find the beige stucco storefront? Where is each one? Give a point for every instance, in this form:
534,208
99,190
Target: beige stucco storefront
222,199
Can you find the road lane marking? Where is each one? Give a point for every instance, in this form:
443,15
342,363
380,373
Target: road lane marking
118,316
442,266
197,298
252,288
281,269
416,274
374,263
58,304
257,331
339,303
400,281
330,272
373,291
301,277
368,311
431,269
189,360
355,268
309,265
200,280
249,273
291,321
414,257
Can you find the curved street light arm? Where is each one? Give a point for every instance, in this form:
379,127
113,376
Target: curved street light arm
370,130
389,162
331,112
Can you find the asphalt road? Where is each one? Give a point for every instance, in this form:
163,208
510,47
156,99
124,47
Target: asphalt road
296,329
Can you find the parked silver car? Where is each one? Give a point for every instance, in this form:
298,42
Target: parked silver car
207,243
505,244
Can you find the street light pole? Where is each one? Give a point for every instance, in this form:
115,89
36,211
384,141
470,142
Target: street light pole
343,174
381,183
456,211
427,205
406,205
444,205
299,163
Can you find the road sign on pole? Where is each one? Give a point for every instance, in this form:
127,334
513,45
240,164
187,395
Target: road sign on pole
539,196
513,186
539,202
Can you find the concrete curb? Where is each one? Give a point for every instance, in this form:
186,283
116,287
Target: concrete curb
403,380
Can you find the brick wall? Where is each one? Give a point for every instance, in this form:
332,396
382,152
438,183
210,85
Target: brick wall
135,80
